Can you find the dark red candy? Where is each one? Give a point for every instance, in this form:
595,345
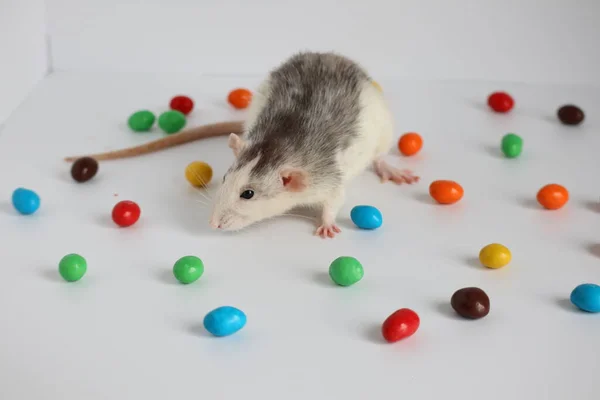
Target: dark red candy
570,115
500,102
84,169
401,324
126,213
182,104
471,302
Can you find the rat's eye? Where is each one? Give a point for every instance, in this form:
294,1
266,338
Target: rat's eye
247,194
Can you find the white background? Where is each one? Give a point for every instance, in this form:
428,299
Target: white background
128,330
552,40
23,51
500,40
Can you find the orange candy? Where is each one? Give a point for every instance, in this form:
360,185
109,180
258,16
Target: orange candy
446,192
410,143
553,196
240,98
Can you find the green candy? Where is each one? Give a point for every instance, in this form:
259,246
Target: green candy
141,121
188,269
171,121
72,267
512,145
346,271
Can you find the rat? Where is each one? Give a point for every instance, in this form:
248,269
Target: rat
315,122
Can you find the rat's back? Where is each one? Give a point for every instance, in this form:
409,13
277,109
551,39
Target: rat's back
309,103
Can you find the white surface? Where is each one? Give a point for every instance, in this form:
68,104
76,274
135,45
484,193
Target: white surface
127,330
497,40
23,59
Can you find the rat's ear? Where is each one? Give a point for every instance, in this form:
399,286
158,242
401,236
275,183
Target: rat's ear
236,144
294,179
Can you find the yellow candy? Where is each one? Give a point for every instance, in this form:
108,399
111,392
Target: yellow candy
198,173
377,85
495,256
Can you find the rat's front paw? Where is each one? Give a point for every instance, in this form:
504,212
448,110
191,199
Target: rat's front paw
327,230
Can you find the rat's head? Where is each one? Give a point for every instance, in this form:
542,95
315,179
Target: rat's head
250,194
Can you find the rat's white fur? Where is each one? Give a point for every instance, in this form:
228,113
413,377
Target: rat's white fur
373,141
375,133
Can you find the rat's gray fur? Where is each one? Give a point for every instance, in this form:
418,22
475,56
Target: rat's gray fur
310,115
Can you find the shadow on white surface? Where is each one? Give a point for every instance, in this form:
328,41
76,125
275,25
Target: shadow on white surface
444,308
50,274
593,249
372,333
7,208
197,329
105,221
165,276
493,151
593,206
473,262
529,203
424,198
566,305
323,279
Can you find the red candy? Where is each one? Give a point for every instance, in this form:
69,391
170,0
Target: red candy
500,102
126,213
401,324
182,104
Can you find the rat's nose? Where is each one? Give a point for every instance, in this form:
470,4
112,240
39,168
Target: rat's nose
214,223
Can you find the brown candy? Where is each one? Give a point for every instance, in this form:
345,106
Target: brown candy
471,302
570,115
84,169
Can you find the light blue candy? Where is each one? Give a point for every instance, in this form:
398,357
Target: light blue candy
25,201
587,297
366,217
224,321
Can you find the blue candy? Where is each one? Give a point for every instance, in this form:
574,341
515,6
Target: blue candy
224,321
587,297
366,217
25,201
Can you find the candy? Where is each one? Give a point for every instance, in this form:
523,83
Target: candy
500,102
84,169
346,271
72,267
25,201
410,143
171,121
512,145
240,98
125,213
471,302
570,115
552,196
224,321
141,121
446,192
188,269
587,297
198,173
494,256
366,217
183,104
400,324
377,86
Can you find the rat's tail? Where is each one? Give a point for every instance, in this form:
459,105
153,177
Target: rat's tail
189,135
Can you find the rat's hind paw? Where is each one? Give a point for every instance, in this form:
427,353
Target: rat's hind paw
388,173
327,230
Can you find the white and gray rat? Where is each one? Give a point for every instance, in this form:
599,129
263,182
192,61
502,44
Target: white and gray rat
313,124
